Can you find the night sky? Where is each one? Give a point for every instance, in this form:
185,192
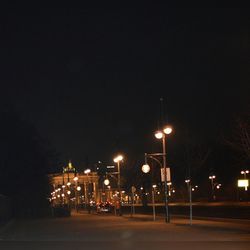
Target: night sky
91,79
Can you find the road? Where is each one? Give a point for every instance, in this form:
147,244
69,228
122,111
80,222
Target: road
84,231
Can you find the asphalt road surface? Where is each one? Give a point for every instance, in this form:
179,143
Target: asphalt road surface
106,231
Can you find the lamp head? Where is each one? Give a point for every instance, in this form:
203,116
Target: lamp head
167,130
118,158
145,168
158,135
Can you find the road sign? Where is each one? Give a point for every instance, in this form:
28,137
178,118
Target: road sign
163,174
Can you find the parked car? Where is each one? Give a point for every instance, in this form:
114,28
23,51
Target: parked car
104,207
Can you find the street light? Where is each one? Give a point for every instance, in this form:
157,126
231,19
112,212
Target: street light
245,172
153,200
162,135
145,168
87,197
106,182
190,189
212,177
117,160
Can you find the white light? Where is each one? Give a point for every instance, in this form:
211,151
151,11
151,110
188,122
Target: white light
158,135
68,184
87,171
63,186
243,183
141,188
118,158
76,178
187,181
68,192
106,182
173,191
110,166
168,130
78,188
145,168
154,186
63,195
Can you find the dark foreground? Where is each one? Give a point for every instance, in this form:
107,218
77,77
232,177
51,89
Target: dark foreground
84,231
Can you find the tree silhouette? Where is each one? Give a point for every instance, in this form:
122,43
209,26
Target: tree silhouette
24,165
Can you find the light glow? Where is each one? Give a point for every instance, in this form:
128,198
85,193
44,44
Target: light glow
168,130
106,182
243,183
145,168
118,158
158,135
87,171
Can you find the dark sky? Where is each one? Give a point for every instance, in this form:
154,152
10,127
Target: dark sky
91,78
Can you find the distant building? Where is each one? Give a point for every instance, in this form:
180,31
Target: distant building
74,188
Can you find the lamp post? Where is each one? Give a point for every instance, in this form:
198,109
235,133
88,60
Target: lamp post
117,160
87,171
188,181
245,172
162,135
153,200
212,177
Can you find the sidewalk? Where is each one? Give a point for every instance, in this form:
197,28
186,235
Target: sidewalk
201,222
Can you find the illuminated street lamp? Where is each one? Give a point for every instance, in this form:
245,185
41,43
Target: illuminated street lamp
245,181
145,168
212,177
245,172
87,197
162,135
117,160
87,171
106,182
153,200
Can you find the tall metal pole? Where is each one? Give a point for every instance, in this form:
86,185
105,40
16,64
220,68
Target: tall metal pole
167,217
119,188
153,202
190,203
212,186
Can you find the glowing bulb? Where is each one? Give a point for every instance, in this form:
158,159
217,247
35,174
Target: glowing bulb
158,134
168,130
145,168
106,182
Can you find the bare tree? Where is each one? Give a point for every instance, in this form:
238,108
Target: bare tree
240,137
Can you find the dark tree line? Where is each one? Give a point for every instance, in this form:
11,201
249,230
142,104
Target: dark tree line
24,166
